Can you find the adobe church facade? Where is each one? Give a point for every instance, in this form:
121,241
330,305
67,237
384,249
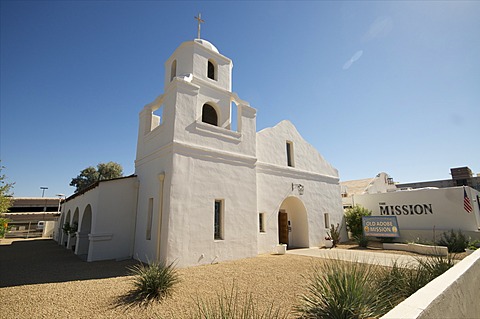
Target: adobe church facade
207,186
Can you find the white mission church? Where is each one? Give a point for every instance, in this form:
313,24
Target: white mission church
203,192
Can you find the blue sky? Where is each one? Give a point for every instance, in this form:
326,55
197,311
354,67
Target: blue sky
375,86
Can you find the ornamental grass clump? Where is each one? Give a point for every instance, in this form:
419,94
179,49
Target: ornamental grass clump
400,281
353,290
152,282
339,289
232,305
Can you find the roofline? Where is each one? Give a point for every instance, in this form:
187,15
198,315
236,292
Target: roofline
94,185
33,198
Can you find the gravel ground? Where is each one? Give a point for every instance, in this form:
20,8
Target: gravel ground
33,285
271,279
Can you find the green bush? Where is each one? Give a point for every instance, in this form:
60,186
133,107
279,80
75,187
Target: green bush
153,282
339,289
230,305
4,225
456,242
353,218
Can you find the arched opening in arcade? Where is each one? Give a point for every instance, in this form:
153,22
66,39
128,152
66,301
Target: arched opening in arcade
83,242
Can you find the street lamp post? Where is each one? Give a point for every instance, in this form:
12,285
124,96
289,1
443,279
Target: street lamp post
43,188
60,197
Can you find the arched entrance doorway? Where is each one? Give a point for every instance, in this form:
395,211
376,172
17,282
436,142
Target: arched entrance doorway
83,242
293,223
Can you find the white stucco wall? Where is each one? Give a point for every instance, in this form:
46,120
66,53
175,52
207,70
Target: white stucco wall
271,149
154,175
321,188
447,210
113,217
199,178
451,295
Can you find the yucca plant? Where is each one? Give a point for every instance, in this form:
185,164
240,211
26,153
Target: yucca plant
456,242
343,290
401,282
334,233
434,266
152,282
231,305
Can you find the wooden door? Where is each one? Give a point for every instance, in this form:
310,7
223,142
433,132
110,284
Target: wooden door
282,228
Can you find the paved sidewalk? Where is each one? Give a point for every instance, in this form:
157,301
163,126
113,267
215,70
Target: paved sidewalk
383,259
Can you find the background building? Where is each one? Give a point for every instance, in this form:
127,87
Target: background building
461,176
33,216
424,210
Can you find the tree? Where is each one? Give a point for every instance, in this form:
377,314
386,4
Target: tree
5,202
91,175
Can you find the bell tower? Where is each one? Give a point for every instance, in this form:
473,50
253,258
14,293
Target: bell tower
197,132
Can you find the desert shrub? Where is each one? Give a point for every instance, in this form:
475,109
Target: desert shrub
433,266
339,289
153,282
456,242
353,218
232,305
361,240
334,234
400,282
396,281
352,290
474,245
4,228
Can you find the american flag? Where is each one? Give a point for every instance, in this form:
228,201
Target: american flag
467,205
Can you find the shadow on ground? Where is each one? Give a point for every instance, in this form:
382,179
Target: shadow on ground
44,261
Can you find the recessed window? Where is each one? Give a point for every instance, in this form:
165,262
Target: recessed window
218,220
290,154
209,115
261,222
211,70
149,219
173,70
326,219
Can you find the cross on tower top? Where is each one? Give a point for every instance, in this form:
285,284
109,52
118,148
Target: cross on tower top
200,21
